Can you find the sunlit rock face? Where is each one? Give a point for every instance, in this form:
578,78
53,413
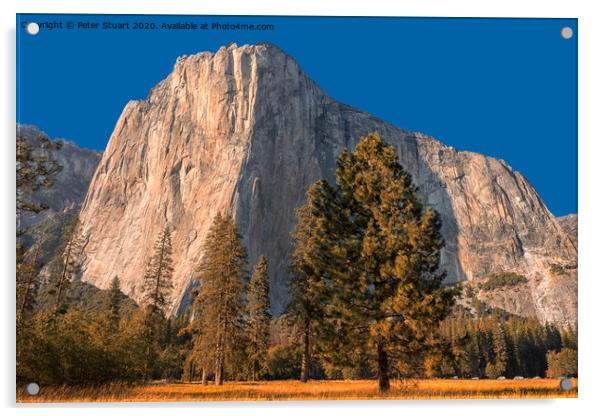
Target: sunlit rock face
245,131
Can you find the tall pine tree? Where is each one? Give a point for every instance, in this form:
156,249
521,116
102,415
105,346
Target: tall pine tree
36,169
258,317
159,272
157,288
73,244
310,260
115,296
223,275
384,283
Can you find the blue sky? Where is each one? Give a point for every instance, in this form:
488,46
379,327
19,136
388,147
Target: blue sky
503,87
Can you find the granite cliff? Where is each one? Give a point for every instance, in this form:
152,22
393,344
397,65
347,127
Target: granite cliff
244,130
71,183
63,199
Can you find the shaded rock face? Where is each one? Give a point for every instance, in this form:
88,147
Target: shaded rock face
570,224
71,183
243,130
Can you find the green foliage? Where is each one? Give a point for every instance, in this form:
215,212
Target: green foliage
101,337
503,280
85,297
36,169
73,348
283,362
64,269
558,269
46,235
376,261
220,305
159,272
569,338
258,318
563,363
310,260
496,345
114,301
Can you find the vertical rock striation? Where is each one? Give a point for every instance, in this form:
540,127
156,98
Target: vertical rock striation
244,130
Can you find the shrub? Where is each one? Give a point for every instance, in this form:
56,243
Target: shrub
283,363
493,371
557,269
503,280
562,363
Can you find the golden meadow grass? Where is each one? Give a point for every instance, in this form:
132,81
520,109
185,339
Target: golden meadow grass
313,390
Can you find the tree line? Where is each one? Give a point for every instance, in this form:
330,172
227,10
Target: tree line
367,300
498,344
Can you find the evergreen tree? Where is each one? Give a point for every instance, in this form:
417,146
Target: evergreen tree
36,169
563,363
500,350
159,273
28,281
568,338
384,283
157,288
258,317
223,274
115,302
73,243
310,260
197,360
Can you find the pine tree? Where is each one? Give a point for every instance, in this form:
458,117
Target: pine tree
385,284
115,296
157,288
258,317
159,273
28,281
36,169
73,242
309,261
197,361
563,363
223,275
500,349
569,338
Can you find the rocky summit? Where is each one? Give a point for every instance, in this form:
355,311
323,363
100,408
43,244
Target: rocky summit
244,130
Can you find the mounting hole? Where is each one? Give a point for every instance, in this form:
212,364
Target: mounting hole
566,384
566,32
32,389
32,28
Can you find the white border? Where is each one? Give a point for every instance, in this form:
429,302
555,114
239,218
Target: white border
590,203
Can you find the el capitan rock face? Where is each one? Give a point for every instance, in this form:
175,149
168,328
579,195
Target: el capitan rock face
244,130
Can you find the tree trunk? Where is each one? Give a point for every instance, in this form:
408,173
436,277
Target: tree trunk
219,365
305,355
383,370
204,377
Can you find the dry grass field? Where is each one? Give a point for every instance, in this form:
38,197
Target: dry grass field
314,390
